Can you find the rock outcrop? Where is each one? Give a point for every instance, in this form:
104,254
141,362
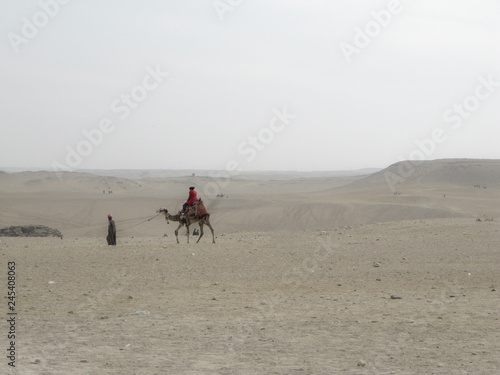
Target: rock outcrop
30,231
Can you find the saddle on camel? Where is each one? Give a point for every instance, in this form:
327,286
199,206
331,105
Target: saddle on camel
195,211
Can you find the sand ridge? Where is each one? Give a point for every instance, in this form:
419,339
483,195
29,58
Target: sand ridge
78,204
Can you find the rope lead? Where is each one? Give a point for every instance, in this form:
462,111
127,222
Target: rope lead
151,218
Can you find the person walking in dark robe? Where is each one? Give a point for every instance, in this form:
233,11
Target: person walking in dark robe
111,231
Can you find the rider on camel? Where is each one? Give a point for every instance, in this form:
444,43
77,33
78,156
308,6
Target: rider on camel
193,197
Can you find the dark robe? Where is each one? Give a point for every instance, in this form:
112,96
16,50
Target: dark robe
111,233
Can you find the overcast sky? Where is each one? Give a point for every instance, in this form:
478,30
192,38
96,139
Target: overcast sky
248,84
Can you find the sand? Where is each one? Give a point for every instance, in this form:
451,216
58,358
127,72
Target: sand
309,275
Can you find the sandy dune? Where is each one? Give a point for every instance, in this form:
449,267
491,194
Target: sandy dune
77,206
299,282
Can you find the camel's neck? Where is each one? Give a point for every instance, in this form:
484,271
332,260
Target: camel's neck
174,217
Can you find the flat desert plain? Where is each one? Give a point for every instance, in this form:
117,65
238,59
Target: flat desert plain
395,272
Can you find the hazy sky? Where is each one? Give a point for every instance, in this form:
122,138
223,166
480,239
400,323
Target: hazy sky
249,84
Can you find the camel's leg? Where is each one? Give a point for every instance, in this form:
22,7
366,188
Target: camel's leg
212,229
177,232
201,232
187,234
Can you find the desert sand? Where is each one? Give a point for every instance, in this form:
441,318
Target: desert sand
393,272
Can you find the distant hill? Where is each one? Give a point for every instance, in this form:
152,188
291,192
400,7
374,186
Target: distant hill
442,172
41,181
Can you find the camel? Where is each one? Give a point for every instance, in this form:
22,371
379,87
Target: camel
204,219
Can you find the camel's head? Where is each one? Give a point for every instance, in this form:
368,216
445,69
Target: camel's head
163,211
